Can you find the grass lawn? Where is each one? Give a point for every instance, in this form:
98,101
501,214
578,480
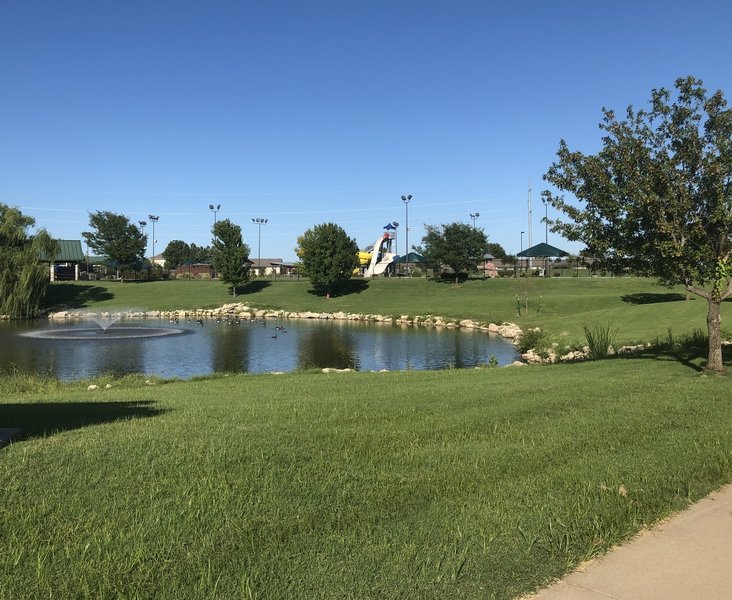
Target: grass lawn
639,309
454,484
480,483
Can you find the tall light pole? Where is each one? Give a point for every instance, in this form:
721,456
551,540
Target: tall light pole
214,210
406,200
474,216
259,222
142,228
522,241
546,220
153,219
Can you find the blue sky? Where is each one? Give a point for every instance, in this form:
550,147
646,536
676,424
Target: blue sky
310,112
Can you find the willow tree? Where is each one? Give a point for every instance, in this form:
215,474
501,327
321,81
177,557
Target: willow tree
24,279
657,198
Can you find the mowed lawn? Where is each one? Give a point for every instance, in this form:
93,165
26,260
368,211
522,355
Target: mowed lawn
457,484
480,483
638,308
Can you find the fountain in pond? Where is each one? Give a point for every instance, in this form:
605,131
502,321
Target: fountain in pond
108,329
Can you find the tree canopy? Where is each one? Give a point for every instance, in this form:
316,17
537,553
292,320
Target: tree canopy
457,245
230,255
327,257
24,279
657,198
176,253
116,238
495,249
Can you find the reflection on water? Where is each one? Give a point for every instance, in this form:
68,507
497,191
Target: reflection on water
251,347
230,349
323,347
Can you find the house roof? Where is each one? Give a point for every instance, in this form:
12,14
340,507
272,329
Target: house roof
68,251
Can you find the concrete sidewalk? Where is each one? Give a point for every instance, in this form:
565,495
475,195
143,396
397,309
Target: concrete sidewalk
687,557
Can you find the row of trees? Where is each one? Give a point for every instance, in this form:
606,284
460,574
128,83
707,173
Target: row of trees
655,200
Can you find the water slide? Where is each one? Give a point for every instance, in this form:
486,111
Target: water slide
380,260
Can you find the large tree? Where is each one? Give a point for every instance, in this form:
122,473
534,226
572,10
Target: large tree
230,255
176,253
457,245
24,278
116,238
657,198
327,257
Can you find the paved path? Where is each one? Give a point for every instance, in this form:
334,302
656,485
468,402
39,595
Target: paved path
688,557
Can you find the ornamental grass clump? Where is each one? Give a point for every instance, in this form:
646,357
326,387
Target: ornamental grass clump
600,339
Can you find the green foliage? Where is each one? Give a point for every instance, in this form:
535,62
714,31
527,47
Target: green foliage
24,278
230,255
655,200
176,253
457,245
600,338
496,250
535,339
327,257
116,238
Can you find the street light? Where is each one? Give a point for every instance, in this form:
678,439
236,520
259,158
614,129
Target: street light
474,216
406,200
259,222
154,220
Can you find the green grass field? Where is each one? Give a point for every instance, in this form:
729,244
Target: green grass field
639,309
481,483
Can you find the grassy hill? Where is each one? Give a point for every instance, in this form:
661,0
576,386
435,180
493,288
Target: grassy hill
638,308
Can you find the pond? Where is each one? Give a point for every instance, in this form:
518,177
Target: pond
193,349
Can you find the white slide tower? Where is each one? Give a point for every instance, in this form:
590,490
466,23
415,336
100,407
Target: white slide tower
381,258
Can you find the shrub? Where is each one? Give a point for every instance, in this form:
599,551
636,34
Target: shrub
534,339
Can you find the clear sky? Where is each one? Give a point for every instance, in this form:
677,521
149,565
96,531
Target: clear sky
305,112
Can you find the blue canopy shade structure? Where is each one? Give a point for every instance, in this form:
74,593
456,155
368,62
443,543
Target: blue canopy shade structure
389,226
542,251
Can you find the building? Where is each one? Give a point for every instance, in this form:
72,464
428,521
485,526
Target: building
263,267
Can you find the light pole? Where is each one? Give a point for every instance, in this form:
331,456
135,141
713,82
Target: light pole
142,228
474,216
214,210
153,219
259,222
522,241
546,220
406,200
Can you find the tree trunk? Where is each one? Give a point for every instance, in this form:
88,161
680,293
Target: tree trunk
714,328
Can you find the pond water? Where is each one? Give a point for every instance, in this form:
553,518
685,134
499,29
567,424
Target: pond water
245,347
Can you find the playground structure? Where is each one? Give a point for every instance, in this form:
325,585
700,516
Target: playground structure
380,258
